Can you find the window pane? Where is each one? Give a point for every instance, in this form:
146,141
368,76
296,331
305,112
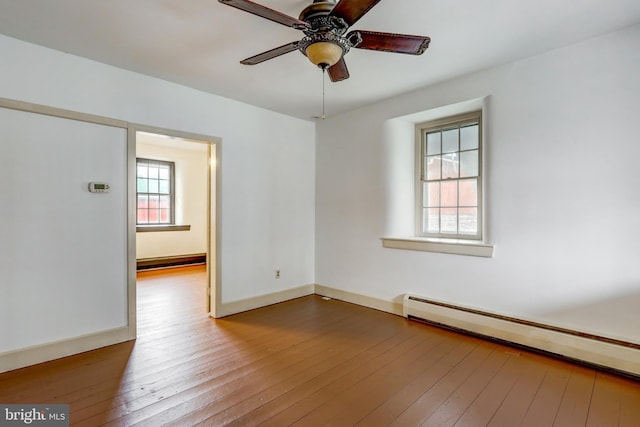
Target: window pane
449,193
165,202
468,192
163,187
449,220
432,166
469,163
450,140
433,143
153,216
164,215
153,171
143,201
164,173
142,185
431,220
153,202
431,196
153,185
142,216
450,164
142,170
469,137
468,220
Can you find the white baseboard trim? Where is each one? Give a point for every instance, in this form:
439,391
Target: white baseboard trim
359,299
234,307
28,356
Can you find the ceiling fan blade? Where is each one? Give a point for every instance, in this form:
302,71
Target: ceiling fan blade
389,42
267,13
339,71
270,54
352,10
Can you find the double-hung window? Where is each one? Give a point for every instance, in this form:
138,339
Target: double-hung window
155,192
449,196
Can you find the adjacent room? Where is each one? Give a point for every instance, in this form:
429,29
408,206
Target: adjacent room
353,212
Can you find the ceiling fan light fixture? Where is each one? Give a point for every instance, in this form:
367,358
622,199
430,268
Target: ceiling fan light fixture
324,54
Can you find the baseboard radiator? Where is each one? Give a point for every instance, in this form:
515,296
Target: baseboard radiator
170,261
605,353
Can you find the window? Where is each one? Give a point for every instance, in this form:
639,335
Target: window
155,192
449,213
449,187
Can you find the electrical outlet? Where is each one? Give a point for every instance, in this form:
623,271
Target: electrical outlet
277,274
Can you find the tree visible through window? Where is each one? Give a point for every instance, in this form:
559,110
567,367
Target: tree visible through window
155,192
450,178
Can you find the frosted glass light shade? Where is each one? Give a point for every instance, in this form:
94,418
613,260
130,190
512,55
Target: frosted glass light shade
324,54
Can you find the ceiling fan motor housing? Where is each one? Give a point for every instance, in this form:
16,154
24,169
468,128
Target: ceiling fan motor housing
317,8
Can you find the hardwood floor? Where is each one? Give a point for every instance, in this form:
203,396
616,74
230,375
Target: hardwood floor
311,362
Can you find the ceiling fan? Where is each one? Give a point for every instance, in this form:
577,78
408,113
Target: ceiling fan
326,41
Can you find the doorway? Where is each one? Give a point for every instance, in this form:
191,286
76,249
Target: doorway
176,204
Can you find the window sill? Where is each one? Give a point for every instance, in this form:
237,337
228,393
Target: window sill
444,246
168,227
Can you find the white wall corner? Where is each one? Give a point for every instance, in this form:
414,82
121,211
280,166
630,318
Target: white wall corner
393,307
234,307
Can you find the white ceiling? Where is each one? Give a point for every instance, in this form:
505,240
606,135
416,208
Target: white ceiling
199,43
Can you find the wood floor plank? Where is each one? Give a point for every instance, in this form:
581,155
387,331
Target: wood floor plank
484,407
347,407
605,402
418,411
515,405
452,409
311,361
574,407
318,384
389,410
543,409
629,403
364,368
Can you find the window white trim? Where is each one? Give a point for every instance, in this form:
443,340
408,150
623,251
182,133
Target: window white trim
444,246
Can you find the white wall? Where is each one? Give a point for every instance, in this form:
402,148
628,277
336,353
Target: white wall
63,250
191,165
267,161
562,191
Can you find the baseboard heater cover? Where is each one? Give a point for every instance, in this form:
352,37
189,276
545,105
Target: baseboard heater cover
170,261
603,352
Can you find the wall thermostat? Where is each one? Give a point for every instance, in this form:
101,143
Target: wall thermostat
98,187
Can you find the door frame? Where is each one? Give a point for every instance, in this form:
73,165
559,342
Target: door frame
214,191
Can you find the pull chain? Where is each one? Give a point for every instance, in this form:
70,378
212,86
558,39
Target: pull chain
324,70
